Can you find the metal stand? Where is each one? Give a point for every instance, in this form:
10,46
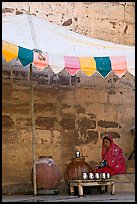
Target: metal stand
33,132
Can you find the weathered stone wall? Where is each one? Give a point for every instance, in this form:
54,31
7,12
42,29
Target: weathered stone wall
68,117
70,112
110,21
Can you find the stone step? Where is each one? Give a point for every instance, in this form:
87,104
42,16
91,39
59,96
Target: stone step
17,188
130,162
124,183
125,187
129,178
130,165
130,170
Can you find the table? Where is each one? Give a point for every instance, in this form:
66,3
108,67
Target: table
100,182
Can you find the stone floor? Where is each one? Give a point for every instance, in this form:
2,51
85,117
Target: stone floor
105,197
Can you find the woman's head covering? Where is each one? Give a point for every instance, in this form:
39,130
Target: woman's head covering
108,137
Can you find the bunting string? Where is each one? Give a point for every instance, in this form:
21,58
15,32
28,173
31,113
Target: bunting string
89,65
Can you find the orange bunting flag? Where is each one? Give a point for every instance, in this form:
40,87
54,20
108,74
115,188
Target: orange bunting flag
119,65
40,60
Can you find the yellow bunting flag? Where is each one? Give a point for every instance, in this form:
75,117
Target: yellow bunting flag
88,65
9,51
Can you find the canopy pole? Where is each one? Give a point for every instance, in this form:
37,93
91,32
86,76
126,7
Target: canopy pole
33,132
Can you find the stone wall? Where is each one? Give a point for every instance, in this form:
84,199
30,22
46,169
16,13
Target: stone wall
69,116
71,112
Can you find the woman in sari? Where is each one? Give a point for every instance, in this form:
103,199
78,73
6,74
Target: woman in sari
113,160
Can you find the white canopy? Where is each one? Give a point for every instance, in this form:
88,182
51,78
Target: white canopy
32,32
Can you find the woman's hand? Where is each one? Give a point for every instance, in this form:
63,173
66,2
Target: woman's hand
102,164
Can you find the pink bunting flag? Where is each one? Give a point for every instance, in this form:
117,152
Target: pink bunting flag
40,60
119,65
72,64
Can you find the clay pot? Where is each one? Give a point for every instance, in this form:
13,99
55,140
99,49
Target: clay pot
76,168
47,174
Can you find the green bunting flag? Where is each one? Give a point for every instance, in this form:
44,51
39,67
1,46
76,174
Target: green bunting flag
103,65
25,56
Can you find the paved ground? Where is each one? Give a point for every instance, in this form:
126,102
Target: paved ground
105,197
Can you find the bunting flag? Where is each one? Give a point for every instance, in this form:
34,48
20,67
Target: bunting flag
119,65
72,64
56,62
40,60
88,65
103,65
9,51
25,56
